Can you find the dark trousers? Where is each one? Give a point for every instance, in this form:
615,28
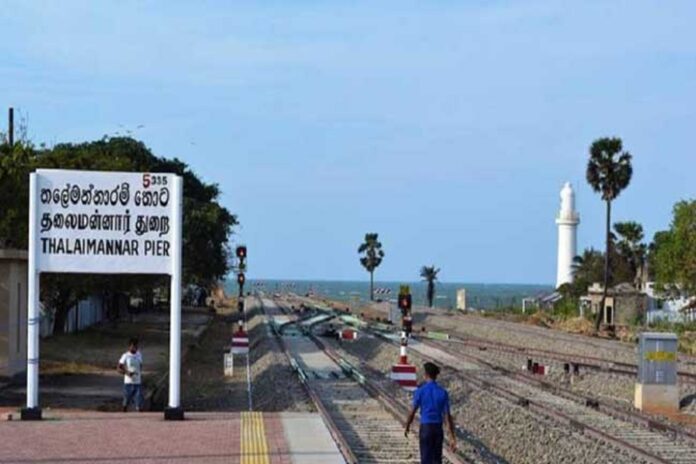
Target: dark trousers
431,438
132,392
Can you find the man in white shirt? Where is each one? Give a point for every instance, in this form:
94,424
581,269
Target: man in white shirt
131,365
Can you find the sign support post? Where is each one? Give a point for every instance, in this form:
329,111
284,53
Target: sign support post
174,410
32,411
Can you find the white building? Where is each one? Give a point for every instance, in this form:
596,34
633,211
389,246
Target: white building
662,307
567,220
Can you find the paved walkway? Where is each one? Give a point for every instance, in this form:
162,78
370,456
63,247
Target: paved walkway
239,438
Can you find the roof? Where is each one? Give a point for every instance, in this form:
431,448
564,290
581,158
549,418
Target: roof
658,335
550,298
622,288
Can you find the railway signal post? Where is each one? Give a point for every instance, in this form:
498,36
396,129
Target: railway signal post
403,372
241,253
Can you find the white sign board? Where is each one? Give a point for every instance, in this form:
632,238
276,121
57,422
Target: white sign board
229,365
104,222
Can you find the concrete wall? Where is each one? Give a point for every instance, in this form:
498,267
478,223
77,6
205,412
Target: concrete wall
661,307
629,308
13,313
625,307
85,313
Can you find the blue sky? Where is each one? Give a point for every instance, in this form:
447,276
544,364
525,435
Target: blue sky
448,127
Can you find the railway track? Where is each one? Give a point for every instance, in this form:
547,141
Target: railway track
643,437
596,363
583,361
627,432
363,420
616,348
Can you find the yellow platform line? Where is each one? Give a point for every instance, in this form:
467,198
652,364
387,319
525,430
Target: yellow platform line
254,448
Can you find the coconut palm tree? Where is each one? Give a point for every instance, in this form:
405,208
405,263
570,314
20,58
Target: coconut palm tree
372,255
429,274
609,172
632,249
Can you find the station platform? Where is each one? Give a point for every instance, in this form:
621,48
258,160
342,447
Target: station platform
204,437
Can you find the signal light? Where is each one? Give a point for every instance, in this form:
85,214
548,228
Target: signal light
405,302
241,278
241,251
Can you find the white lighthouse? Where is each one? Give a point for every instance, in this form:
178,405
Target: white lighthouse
567,220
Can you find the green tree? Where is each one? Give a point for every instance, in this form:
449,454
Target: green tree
673,254
372,255
631,249
609,172
206,224
429,274
587,269
15,165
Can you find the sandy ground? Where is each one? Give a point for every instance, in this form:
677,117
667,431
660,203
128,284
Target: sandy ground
79,370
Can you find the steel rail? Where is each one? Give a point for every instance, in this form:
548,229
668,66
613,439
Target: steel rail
635,417
591,362
397,409
393,406
333,429
543,410
556,335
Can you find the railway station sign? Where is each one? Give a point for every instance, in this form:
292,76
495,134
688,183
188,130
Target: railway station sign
104,222
96,222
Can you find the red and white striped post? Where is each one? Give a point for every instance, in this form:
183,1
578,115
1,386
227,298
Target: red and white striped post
404,373
240,341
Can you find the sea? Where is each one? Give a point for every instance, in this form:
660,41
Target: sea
479,296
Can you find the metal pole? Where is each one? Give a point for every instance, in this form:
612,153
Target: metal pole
174,411
32,410
10,129
403,357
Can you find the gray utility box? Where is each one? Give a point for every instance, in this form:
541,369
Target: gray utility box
657,359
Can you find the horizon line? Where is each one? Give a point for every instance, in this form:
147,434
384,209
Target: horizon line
389,281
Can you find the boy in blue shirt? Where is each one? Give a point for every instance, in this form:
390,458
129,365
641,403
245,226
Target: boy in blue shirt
433,402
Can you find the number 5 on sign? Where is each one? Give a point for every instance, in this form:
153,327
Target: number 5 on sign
154,180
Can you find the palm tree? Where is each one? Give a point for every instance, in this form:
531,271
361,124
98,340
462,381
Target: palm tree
372,254
608,173
632,249
587,266
429,274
